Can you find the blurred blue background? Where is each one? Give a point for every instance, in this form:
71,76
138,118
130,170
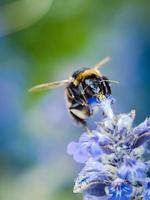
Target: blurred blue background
47,40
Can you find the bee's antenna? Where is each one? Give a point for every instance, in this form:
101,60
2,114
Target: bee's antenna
112,81
102,62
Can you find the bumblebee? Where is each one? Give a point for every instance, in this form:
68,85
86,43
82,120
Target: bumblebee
85,88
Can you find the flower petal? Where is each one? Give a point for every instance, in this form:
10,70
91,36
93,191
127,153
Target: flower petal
72,148
92,174
95,150
144,137
119,190
124,121
81,156
105,105
84,138
132,170
97,190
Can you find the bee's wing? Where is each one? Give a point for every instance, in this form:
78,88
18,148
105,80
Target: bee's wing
48,86
102,62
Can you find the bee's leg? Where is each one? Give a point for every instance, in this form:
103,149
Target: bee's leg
82,123
107,86
88,130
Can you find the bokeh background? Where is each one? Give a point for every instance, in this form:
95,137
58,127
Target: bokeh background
47,40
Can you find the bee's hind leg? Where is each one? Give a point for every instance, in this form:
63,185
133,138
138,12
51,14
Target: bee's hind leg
88,130
82,123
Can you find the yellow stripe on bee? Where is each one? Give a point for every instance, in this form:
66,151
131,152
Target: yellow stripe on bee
85,75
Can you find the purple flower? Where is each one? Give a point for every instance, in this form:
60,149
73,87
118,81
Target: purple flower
124,121
114,166
141,134
104,105
89,146
93,176
78,151
143,127
119,190
147,192
132,170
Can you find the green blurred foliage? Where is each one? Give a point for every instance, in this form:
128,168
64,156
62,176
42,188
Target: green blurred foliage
63,32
